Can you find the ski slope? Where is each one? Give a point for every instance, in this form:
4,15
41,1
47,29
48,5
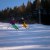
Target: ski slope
35,37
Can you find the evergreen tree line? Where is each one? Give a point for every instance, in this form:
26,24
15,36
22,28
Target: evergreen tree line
30,13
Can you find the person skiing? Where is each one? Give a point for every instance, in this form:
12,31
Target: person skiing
13,22
23,22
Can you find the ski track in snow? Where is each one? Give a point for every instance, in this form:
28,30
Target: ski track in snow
35,37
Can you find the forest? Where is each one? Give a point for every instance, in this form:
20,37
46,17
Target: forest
32,13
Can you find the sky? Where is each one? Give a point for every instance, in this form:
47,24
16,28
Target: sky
11,3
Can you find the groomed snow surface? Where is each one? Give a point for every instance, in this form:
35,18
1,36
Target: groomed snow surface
35,37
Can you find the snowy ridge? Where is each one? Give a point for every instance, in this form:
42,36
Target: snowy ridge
8,26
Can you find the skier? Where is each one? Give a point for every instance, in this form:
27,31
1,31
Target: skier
13,22
23,22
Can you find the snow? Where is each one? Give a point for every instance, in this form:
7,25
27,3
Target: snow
35,37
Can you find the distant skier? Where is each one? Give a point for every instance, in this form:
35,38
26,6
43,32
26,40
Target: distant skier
23,22
13,22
